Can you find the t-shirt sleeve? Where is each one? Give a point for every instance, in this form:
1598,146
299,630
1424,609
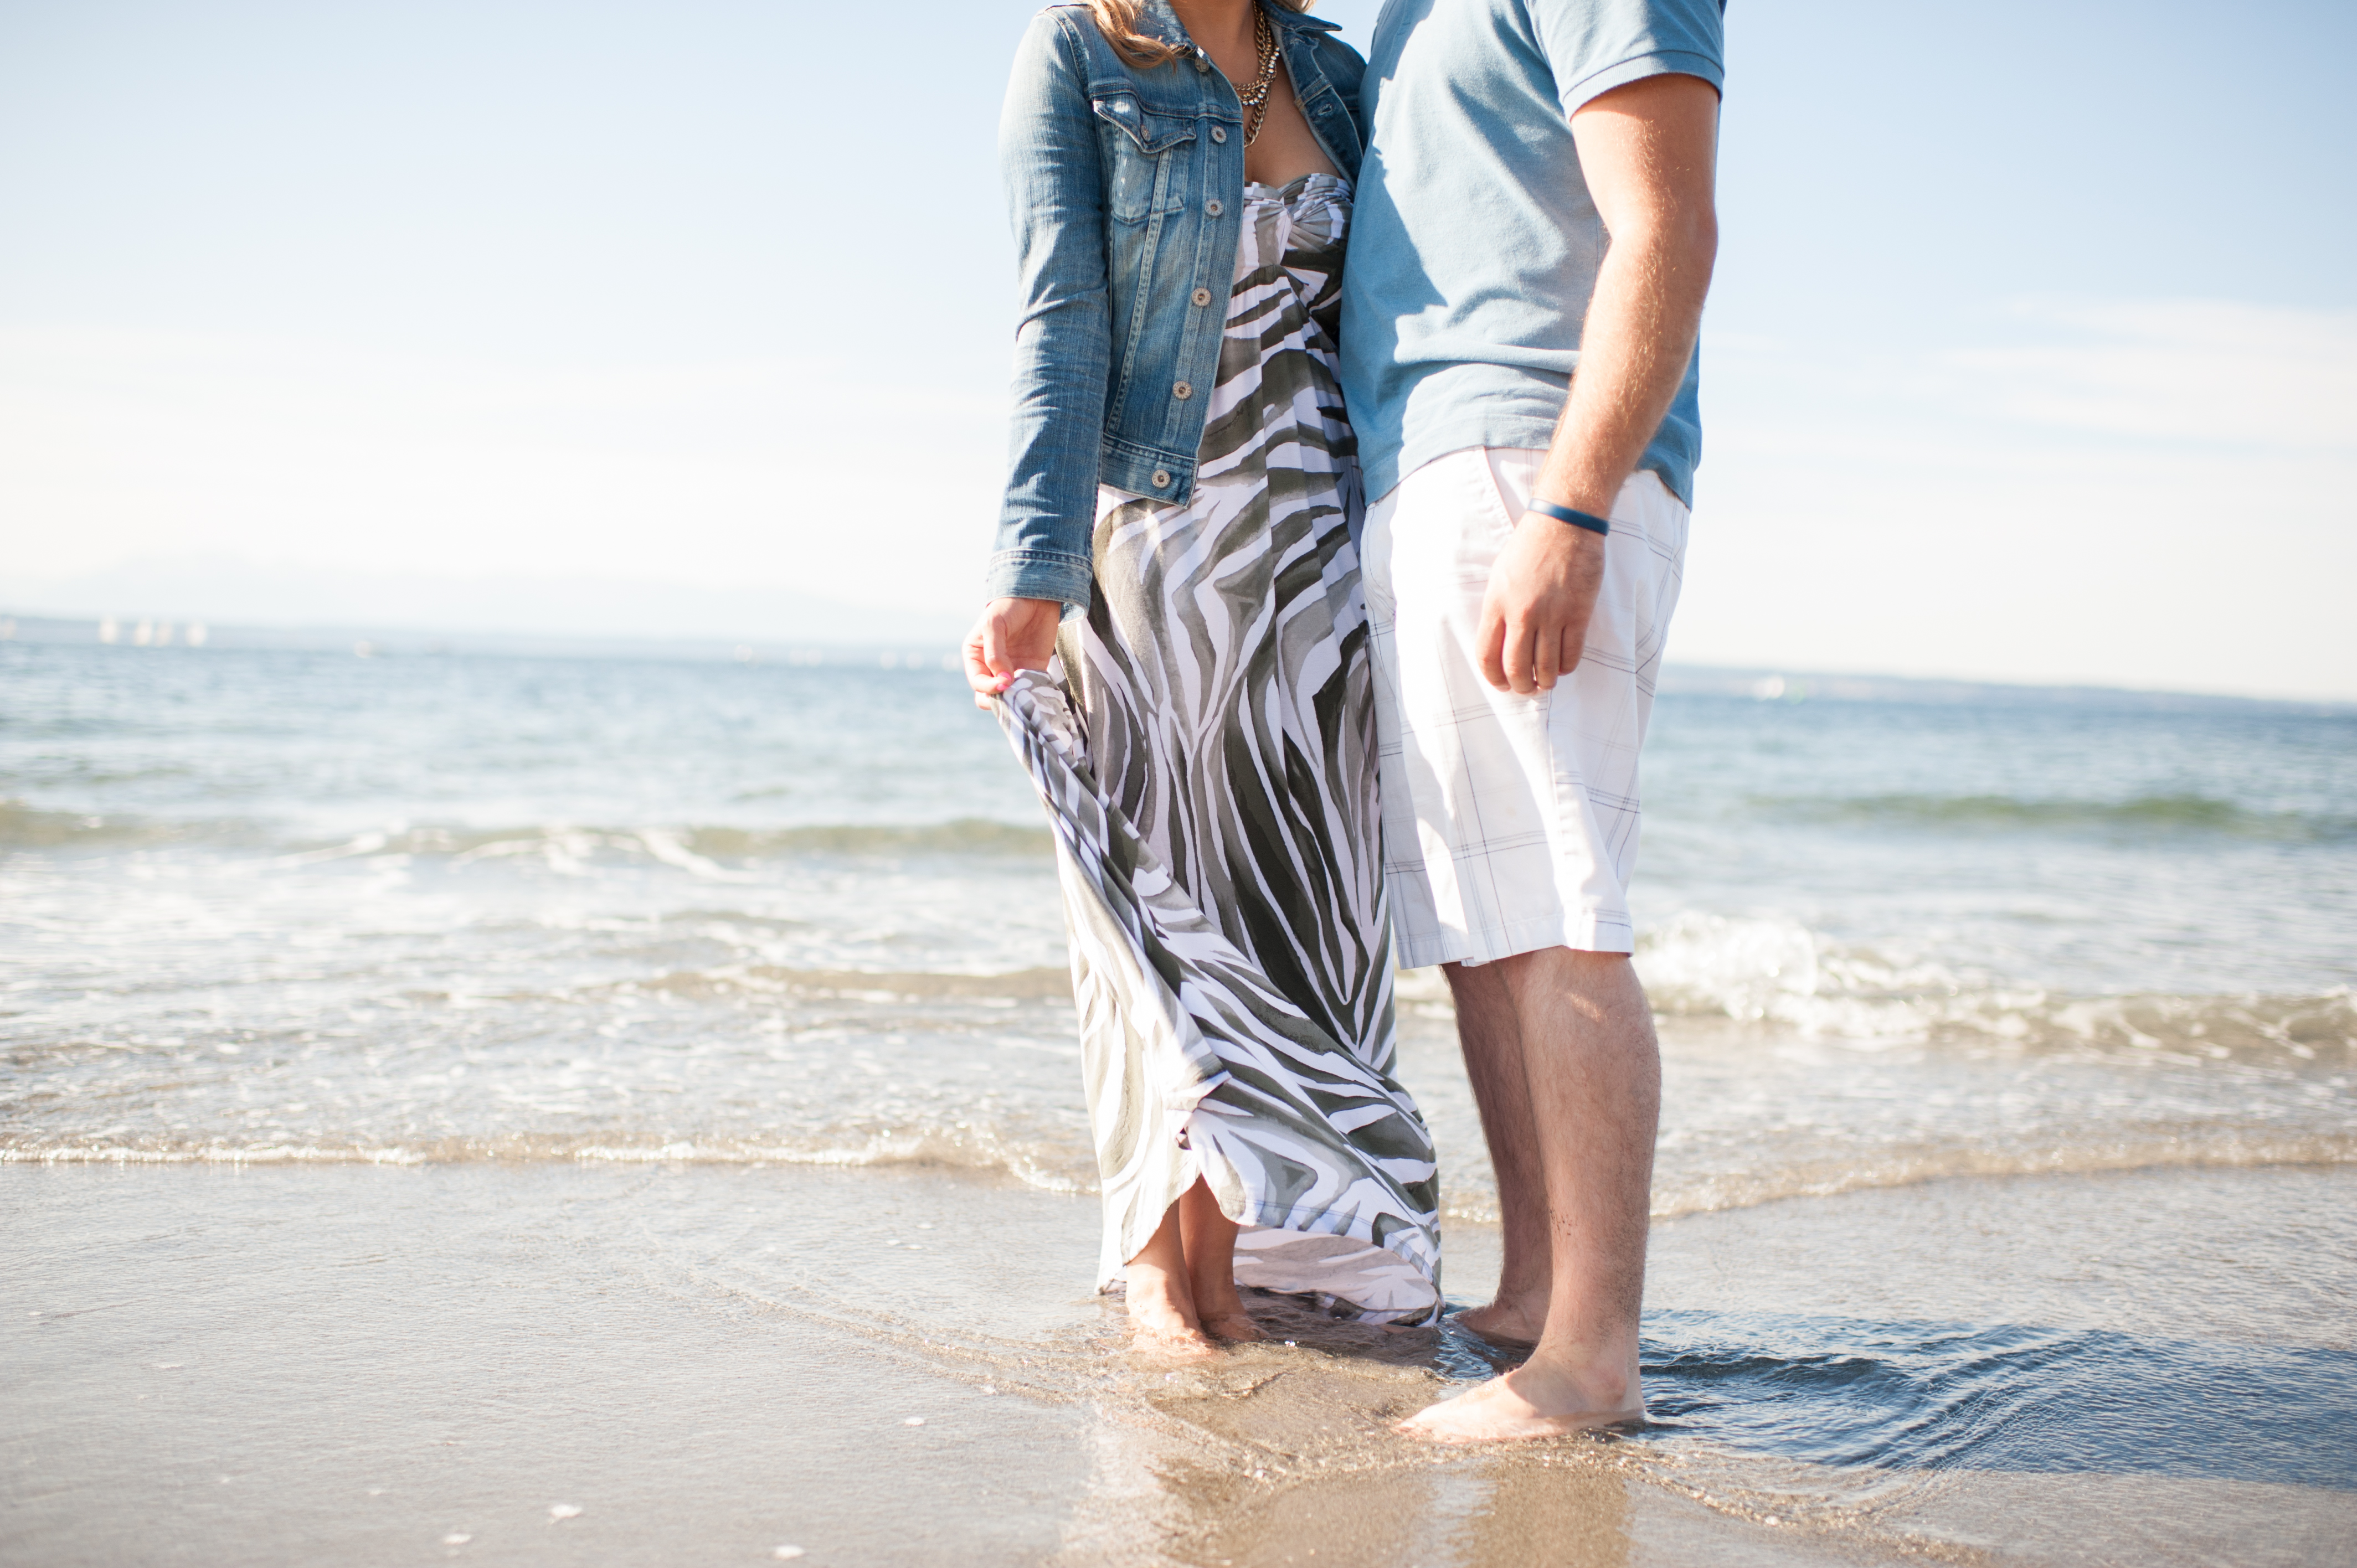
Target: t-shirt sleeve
1594,46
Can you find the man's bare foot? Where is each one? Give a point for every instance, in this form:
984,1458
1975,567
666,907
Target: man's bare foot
1504,1322
1234,1325
1528,1401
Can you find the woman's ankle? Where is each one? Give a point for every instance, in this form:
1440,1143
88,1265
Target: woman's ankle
1161,1289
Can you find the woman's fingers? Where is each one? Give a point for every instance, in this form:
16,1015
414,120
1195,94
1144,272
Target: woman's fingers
1020,633
986,681
1011,635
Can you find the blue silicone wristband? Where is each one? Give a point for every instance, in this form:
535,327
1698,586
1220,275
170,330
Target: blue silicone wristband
1572,515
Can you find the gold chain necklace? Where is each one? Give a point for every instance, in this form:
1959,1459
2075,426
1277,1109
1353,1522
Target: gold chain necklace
1255,99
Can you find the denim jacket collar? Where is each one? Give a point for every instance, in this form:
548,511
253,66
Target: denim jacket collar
1300,35
1156,18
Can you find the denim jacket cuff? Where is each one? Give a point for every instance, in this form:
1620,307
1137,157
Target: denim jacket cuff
1039,574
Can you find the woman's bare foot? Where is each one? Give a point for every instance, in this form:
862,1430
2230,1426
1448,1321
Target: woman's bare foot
1162,1315
1531,1400
1162,1320
1172,1344
1504,1322
1163,1333
1231,1326
1210,1238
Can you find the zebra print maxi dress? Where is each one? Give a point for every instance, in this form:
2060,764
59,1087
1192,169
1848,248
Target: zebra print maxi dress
1207,754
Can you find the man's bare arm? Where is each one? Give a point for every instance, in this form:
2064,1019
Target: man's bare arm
1650,152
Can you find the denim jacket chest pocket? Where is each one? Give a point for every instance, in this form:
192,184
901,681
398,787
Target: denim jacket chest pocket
1145,151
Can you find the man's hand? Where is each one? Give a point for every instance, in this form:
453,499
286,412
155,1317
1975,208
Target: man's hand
1011,635
1648,152
1535,617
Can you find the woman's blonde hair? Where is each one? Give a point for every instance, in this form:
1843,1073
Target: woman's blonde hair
1117,20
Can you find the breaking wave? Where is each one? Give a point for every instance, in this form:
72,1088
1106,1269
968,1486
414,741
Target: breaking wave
1047,1166
23,827
2144,815
1069,1167
690,848
1779,972
1716,1192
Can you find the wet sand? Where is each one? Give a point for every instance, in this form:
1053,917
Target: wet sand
365,1365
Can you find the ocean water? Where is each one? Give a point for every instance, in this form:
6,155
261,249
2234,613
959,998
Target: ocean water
2010,1050
285,905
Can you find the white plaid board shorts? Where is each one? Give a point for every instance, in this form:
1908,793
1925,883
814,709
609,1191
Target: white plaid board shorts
1510,824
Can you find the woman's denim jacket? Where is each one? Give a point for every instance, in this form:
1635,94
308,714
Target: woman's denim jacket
1125,187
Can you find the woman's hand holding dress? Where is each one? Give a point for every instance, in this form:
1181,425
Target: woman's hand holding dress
1010,635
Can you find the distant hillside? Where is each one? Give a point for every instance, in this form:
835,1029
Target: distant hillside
228,591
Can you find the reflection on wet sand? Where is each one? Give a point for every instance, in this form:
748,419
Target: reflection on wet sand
1282,1454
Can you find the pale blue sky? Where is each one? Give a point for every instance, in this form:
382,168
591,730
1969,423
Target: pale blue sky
2033,353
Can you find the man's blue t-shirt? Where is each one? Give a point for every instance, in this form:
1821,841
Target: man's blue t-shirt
1474,244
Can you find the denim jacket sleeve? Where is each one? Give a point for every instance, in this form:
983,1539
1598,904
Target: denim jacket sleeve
1049,160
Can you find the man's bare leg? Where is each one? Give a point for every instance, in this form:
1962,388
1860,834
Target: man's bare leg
1594,1073
1491,1036
1161,1294
1209,1240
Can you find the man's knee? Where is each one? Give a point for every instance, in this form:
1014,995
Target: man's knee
1474,987
1473,979
1594,983
1563,959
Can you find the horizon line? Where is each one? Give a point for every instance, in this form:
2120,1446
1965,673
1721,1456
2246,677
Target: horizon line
1764,683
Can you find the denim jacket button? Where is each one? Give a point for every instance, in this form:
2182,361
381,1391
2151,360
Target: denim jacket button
1219,133
1213,207
1161,478
1182,392
1202,297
